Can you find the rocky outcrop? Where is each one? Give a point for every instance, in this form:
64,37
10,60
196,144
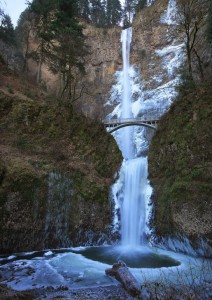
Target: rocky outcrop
103,60
180,172
102,63
149,34
54,182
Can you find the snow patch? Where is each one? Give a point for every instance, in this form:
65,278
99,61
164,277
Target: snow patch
169,16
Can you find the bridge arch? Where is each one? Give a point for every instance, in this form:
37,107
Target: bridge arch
117,127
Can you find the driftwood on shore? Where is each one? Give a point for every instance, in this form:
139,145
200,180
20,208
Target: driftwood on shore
121,272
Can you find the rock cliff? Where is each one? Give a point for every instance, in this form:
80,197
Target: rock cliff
56,169
180,172
102,62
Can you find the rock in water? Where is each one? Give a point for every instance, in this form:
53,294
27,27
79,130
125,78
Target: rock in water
121,272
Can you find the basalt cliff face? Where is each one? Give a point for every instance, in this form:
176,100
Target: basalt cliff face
54,182
180,170
101,63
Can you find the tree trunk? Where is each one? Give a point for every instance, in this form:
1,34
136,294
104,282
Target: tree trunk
121,272
39,70
199,65
189,61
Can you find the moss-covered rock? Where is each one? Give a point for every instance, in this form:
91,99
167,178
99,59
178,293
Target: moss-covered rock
56,167
180,168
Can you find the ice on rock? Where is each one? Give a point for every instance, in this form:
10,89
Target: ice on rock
49,253
169,16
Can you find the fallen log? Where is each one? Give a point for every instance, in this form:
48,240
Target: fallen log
121,272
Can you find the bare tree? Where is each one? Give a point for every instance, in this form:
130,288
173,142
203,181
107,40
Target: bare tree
192,16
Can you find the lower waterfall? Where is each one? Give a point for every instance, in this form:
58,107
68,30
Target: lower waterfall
133,207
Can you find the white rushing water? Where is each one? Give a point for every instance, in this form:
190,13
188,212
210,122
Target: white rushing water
133,195
126,111
133,210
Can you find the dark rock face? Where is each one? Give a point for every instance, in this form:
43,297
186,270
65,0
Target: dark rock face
50,213
54,180
180,172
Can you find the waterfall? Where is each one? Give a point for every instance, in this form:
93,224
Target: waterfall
126,107
134,184
133,207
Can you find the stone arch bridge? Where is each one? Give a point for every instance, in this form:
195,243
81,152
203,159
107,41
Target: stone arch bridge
150,119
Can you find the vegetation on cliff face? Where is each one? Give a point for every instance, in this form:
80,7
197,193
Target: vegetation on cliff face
44,144
180,166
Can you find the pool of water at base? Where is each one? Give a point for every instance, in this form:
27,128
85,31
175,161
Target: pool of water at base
85,267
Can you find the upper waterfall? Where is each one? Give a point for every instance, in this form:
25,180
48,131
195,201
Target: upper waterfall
126,107
126,38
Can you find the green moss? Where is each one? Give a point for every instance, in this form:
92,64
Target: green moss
206,188
20,174
89,190
53,131
22,142
44,136
180,167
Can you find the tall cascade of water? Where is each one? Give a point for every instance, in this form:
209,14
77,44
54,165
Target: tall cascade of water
133,98
126,110
133,198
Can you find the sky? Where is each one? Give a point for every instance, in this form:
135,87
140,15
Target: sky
13,8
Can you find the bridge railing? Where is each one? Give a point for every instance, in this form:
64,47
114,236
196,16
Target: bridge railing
150,115
130,120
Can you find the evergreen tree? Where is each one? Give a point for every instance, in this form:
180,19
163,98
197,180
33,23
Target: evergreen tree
22,32
67,48
42,11
131,7
7,33
113,12
129,10
140,5
61,42
98,13
84,9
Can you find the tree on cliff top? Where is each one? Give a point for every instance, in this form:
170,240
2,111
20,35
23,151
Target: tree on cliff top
22,32
113,12
67,48
102,13
84,9
6,28
131,7
42,16
61,42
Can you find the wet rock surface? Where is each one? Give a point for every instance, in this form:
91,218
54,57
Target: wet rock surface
112,292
